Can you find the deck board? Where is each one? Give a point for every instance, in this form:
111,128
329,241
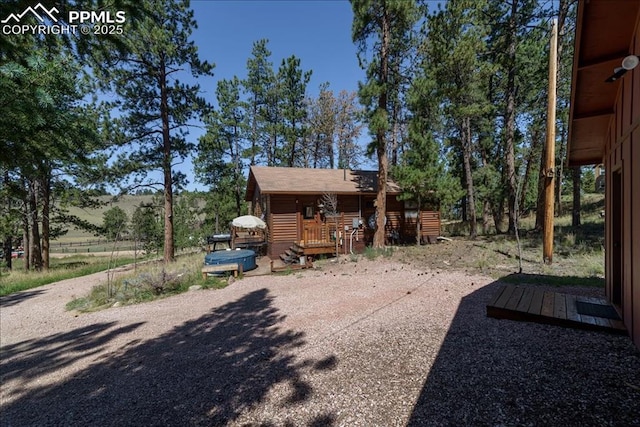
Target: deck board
559,306
504,297
514,299
547,304
495,296
527,303
536,302
572,312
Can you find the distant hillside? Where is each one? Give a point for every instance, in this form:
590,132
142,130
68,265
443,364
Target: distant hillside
127,203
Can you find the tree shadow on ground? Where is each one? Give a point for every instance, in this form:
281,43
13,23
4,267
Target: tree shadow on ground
206,371
502,372
18,297
27,361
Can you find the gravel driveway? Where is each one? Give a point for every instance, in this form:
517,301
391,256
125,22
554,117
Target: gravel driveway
357,344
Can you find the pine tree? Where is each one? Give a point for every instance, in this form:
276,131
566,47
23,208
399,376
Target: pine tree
260,77
511,23
220,149
454,49
293,85
155,106
386,24
318,151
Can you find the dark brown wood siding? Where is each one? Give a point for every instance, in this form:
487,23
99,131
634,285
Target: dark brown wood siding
430,224
283,217
284,213
622,157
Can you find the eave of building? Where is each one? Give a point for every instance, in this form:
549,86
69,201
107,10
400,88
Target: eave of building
604,31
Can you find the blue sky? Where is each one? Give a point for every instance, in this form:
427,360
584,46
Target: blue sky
316,31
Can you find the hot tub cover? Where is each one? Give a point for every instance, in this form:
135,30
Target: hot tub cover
245,257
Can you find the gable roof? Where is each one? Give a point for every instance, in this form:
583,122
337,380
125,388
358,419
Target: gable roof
604,33
280,180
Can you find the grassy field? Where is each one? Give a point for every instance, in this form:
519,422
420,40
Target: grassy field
61,269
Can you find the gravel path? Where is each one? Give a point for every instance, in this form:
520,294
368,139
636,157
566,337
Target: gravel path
357,344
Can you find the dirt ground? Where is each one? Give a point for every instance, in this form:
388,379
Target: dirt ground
400,341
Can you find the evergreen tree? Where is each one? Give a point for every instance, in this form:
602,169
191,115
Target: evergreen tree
387,25
318,151
293,85
156,107
348,129
260,77
511,23
48,134
188,230
114,223
454,49
146,227
220,149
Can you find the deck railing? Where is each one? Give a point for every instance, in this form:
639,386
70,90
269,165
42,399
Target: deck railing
316,233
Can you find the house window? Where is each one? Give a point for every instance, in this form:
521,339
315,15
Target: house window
308,212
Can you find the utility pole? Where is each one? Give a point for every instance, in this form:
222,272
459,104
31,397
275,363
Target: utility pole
550,152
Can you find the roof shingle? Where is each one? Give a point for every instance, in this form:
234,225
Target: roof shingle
282,180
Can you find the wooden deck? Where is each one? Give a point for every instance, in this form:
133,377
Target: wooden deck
317,247
555,308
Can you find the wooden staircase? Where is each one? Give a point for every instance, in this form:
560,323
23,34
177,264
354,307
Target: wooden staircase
292,255
291,259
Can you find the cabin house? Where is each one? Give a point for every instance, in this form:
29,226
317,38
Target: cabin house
290,200
605,129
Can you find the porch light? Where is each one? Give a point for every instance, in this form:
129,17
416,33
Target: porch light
630,62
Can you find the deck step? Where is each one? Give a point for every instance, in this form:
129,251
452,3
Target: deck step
530,303
288,259
284,257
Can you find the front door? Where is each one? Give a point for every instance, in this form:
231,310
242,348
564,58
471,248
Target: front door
312,225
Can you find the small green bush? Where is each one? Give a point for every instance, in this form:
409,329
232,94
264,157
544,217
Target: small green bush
371,253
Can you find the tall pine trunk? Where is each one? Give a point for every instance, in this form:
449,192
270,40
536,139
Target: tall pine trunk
34,226
26,234
466,157
575,213
8,241
486,215
381,145
237,174
381,198
510,118
540,200
169,250
46,229
531,158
